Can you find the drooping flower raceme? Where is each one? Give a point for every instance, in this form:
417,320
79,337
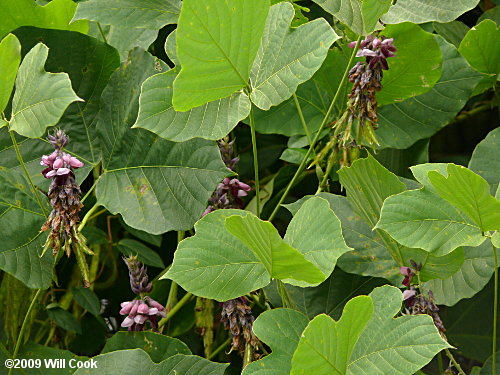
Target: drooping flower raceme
237,317
145,309
64,193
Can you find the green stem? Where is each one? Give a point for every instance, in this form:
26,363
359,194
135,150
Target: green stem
303,121
248,354
285,299
87,217
102,33
318,134
21,161
221,347
324,180
24,325
255,161
89,192
455,363
440,363
495,312
187,297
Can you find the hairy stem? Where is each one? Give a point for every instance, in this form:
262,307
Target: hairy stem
495,312
255,161
24,325
187,297
21,161
454,361
318,134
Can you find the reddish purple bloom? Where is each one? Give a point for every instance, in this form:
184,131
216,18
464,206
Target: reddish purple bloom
408,274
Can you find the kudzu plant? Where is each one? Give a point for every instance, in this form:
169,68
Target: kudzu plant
249,187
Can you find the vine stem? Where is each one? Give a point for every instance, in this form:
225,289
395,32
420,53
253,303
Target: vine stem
255,161
285,300
21,161
102,33
23,326
302,120
87,216
495,312
318,134
454,361
221,347
187,297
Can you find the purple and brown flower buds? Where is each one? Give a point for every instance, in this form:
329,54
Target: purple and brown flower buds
140,311
138,274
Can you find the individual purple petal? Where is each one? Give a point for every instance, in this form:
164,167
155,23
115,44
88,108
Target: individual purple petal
376,43
126,307
75,163
127,322
405,271
143,309
63,171
140,319
58,163
408,294
156,304
50,174
352,44
134,309
152,311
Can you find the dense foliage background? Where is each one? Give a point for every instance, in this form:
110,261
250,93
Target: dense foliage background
176,109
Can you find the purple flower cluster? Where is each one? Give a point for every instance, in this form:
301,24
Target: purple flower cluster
229,192
376,50
64,193
145,309
237,317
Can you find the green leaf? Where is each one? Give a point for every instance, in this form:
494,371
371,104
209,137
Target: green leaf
280,259
487,367
420,218
64,319
316,232
148,14
361,16
421,11
453,32
287,57
215,264
485,160
213,120
481,49
10,58
470,193
156,185
159,347
471,278
326,345
400,346
40,98
20,238
408,77
153,239
147,256
280,329
55,15
216,45
87,299
402,124
171,47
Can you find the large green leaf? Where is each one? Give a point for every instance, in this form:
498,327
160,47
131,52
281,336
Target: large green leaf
55,15
281,330
402,124
10,58
394,346
215,264
147,14
282,261
453,32
408,77
481,48
159,347
287,58
471,278
129,247
216,46
361,16
155,184
485,160
213,120
421,11
326,345
20,238
40,98
87,299
470,193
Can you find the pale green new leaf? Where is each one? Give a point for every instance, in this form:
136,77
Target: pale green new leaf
394,346
485,160
408,77
213,120
402,124
10,58
216,45
146,14
287,57
316,232
55,15
361,16
281,260
326,345
281,330
470,193
215,264
156,185
421,11
40,98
